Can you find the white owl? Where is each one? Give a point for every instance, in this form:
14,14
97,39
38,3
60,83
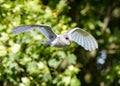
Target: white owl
80,36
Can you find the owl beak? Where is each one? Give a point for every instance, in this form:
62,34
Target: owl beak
69,42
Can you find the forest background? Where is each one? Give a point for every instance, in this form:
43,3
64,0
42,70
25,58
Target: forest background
24,61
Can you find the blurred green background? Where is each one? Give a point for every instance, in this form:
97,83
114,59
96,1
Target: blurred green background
24,61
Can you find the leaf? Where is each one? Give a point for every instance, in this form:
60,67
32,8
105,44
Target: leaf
75,81
71,59
54,63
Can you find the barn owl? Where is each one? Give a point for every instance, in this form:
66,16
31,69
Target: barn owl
78,35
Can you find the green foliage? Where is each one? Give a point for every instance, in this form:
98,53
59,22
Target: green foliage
24,61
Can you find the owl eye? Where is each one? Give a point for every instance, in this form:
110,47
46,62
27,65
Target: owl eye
66,38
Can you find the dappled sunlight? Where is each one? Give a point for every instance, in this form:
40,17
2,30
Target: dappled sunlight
25,61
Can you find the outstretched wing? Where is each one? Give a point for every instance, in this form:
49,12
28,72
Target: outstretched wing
83,38
44,29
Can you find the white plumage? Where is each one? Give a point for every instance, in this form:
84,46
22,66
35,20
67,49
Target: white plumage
80,36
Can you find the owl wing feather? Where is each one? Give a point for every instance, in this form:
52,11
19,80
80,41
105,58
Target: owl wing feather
83,38
44,29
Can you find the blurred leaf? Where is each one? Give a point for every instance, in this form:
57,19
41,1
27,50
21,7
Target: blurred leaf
71,59
53,63
75,81
32,67
3,51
